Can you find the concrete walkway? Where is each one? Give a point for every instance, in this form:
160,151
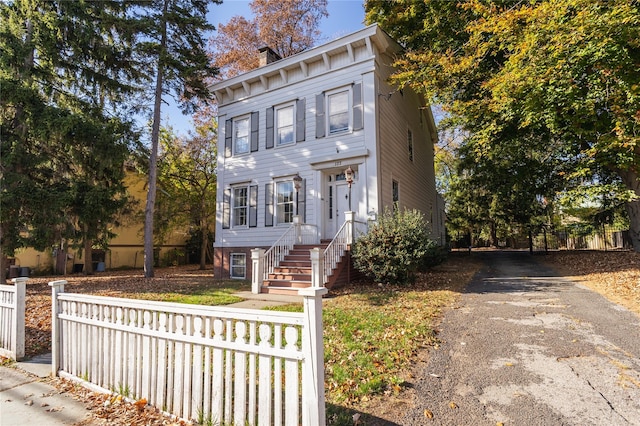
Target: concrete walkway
526,347
25,398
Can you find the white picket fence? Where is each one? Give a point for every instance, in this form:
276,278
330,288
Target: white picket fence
209,364
12,325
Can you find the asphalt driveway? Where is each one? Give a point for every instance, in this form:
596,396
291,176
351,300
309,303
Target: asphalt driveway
526,347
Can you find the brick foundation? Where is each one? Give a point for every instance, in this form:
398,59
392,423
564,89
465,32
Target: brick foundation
222,261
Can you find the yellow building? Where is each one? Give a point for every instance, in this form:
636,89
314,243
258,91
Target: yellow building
126,250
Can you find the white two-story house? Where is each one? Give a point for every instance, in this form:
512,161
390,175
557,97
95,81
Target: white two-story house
290,129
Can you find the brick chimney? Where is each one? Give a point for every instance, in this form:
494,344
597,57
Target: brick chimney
267,56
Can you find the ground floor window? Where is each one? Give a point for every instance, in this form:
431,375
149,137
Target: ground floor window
284,202
238,265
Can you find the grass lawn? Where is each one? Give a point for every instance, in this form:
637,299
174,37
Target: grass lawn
372,333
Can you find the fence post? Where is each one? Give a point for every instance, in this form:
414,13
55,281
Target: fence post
257,269
298,224
17,337
317,267
313,402
57,287
349,218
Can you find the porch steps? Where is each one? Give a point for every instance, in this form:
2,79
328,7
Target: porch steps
294,271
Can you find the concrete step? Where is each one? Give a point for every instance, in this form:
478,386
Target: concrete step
287,291
290,276
292,270
286,283
295,264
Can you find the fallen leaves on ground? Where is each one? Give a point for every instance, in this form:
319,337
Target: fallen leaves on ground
614,274
126,283
106,409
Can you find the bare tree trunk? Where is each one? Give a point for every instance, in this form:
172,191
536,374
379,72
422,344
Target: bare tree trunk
203,248
633,209
153,160
494,235
3,261
630,179
204,230
88,254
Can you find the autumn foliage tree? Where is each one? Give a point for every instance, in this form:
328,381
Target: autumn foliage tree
558,77
187,180
287,26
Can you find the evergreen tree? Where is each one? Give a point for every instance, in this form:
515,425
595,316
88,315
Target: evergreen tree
65,68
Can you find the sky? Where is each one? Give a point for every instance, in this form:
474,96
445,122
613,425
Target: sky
345,17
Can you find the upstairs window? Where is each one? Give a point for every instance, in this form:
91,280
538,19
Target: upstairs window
284,125
338,112
410,143
241,135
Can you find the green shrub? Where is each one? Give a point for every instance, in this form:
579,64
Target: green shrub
436,255
395,248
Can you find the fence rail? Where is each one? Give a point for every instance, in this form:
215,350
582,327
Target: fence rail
202,363
12,319
605,238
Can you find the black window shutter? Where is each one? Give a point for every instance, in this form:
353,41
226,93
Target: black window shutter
300,120
270,134
226,208
253,206
228,137
320,121
302,204
268,204
358,119
254,130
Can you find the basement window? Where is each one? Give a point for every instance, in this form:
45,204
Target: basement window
238,265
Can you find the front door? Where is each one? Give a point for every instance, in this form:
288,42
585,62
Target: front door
336,202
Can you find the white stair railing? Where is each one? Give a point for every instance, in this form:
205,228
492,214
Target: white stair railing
335,250
297,233
348,233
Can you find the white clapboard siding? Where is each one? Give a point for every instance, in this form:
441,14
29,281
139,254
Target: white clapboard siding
199,363
12,325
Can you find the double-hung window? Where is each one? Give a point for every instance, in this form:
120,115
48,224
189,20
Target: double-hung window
240,206
338,111
285,122
238,265
285,197
241,135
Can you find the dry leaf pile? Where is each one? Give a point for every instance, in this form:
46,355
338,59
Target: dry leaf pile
614,274
104,409
114,283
